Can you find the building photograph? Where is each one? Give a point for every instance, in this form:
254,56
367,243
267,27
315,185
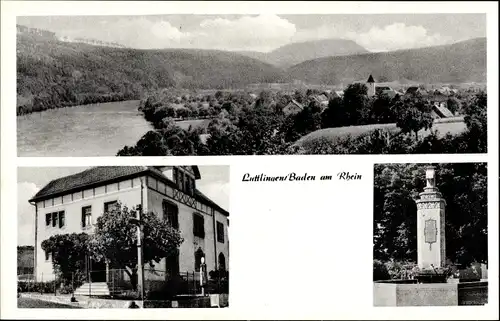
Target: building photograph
145,233
430,234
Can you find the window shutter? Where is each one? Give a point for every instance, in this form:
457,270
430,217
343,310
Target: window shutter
61,219
54,219
83,217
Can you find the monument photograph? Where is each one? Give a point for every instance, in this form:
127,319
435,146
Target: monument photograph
430,234
123,237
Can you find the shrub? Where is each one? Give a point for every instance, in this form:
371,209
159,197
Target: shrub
129,295
66,289
38,287
380,271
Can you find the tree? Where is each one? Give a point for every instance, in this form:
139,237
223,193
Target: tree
68,256
335,115
413,114
476,122
381,112
453,104
151,144
356,104
115,240
306,121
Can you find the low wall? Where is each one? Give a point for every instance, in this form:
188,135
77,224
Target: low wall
473,293
430,294
196,302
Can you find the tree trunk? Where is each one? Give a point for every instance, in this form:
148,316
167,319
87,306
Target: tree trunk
132,274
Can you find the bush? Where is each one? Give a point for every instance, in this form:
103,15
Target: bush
66,289
401,270
218,274
380,271
38,287
129,295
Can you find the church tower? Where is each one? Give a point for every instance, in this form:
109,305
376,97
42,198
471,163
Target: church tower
370,83
431,224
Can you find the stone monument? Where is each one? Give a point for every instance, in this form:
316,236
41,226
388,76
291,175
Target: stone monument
431,252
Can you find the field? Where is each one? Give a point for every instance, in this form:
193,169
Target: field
453,126
195,123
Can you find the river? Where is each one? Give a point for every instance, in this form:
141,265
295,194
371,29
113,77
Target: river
90,130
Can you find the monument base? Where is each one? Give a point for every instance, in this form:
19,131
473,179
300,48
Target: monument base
431,277
444,294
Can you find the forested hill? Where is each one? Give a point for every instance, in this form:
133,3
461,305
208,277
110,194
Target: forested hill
298,52
456,63
52,73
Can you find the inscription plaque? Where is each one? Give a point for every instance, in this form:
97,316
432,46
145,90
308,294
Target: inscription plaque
430,232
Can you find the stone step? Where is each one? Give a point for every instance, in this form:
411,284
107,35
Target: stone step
96,289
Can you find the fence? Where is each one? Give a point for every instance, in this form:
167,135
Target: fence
117,282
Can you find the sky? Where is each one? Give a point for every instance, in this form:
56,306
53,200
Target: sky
264,33
214,183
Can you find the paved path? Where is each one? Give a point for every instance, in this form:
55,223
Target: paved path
40,304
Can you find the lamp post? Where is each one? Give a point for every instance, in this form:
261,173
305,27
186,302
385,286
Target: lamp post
202,266
139,223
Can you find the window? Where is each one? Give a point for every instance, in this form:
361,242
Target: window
177,177
171,214
187,184
187,187
86,216
54,219
190,186
61,219
198,225
220,232
47,255
109,206
181,181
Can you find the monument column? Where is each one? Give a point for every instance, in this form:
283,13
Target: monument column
431,224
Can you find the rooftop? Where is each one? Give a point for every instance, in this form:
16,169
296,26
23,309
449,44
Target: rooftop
99,175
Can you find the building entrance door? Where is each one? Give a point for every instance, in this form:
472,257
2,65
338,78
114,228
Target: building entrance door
96,270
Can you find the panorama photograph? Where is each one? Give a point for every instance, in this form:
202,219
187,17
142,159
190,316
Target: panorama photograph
268,84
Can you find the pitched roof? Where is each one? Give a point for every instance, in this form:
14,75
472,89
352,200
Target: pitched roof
412,90
370,79
443,112
296,103
91,176
99,175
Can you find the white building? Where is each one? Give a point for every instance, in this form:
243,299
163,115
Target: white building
73,203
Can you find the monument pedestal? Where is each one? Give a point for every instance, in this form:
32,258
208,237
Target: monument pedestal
431,243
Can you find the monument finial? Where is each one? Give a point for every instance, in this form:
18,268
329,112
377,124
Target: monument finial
430,176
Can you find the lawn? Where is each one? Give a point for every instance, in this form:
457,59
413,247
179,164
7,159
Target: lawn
448,125
29,303
196,123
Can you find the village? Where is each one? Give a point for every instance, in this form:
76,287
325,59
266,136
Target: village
293,97
201,119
